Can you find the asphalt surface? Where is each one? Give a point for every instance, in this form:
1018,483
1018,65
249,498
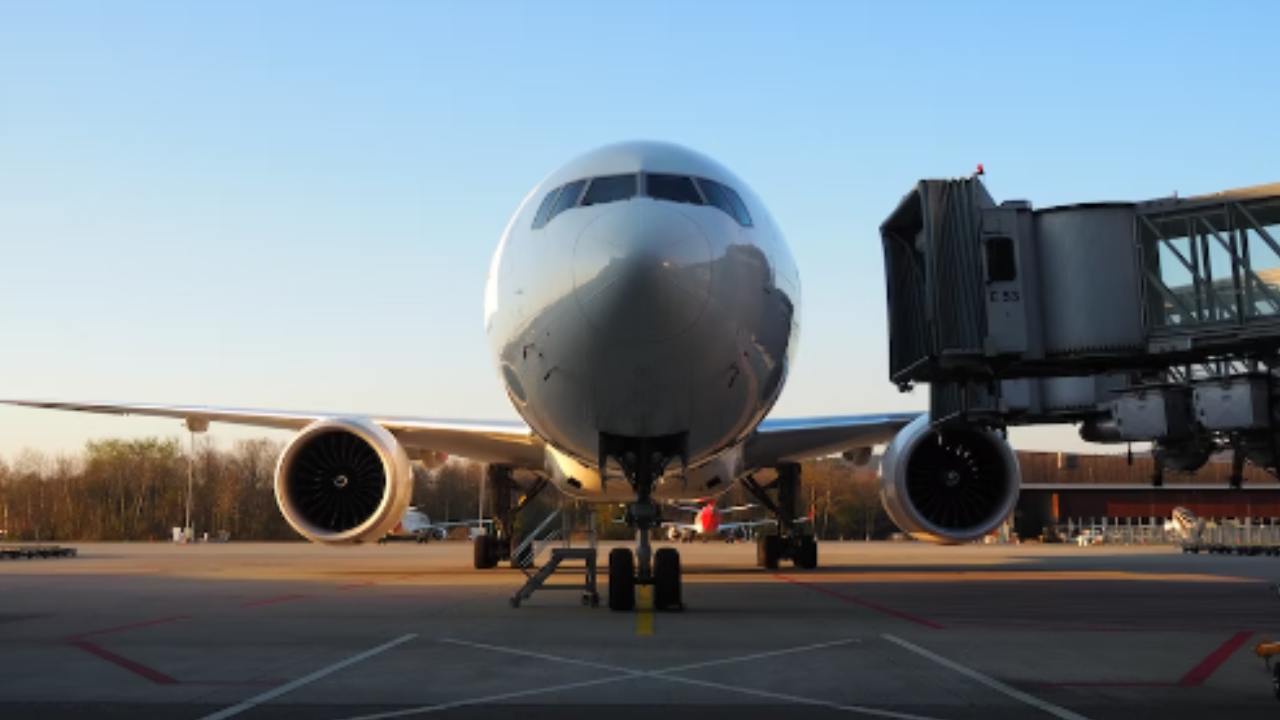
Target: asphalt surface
880,630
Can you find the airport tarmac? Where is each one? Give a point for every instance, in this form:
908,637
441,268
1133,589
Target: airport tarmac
896,630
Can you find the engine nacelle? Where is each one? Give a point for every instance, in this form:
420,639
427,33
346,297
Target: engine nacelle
343,481
949,486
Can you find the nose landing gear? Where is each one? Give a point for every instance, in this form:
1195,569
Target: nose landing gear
643,462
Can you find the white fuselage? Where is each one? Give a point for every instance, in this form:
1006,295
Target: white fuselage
642,318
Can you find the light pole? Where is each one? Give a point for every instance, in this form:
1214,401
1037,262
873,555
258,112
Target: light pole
194,425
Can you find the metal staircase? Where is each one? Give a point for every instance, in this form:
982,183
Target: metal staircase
546,536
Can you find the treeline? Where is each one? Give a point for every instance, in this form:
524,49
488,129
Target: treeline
136,490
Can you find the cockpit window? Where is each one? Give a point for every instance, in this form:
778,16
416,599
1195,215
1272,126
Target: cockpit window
672,188
724,198
740,208
544,210
568,198
610,189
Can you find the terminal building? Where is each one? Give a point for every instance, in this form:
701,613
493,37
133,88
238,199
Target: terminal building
1067,491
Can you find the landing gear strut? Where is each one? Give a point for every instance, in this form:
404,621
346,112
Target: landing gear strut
643,461
790,543
505,503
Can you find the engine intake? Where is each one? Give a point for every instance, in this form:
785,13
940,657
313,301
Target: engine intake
951,485
343,481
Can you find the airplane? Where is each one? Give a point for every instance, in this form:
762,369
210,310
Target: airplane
709,520
1187,524
643,313
416,525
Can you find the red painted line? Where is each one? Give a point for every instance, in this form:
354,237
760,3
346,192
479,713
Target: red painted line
273,601
231,683
136,668
122,628
864,603
357,585
1102,684
1201,672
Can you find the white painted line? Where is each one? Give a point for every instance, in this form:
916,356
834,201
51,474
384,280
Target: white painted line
290,687
996,685
874,712
423,710
628,674
542,656
756,656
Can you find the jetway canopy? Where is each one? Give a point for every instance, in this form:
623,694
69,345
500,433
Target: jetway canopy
1162,315
978,288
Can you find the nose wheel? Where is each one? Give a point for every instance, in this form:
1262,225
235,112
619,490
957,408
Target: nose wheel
668,595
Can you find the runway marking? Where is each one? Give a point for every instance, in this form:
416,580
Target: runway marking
122,628
1201,672
628,674
424,709
273,601
306,680
875,712
996,685
759,656
136,668
644,610
955,576
864,603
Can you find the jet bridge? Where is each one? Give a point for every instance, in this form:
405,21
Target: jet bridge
1141,321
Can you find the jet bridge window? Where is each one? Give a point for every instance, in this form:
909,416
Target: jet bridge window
725,199
1002,263
672,188
610,189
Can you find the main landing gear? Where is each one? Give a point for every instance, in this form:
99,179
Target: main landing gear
505,503
790,542
643,461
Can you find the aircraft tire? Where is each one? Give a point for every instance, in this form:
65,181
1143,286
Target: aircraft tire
666,580
622,580
769,552
484,552
807,553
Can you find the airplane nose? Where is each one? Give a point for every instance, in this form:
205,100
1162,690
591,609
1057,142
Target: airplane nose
642,272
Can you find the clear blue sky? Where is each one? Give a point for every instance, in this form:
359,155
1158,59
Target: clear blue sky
293,204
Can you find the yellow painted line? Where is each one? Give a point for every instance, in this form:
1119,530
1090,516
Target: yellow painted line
644,610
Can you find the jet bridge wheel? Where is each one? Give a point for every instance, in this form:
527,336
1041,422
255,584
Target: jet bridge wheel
666,580
622,580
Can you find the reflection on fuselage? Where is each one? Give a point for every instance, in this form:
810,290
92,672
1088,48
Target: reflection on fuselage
642,317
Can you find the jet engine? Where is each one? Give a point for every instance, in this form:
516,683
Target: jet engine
440,534
950,485
343,481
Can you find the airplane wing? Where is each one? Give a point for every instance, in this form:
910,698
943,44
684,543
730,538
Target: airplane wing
485,441
680,526
792,440
736,508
